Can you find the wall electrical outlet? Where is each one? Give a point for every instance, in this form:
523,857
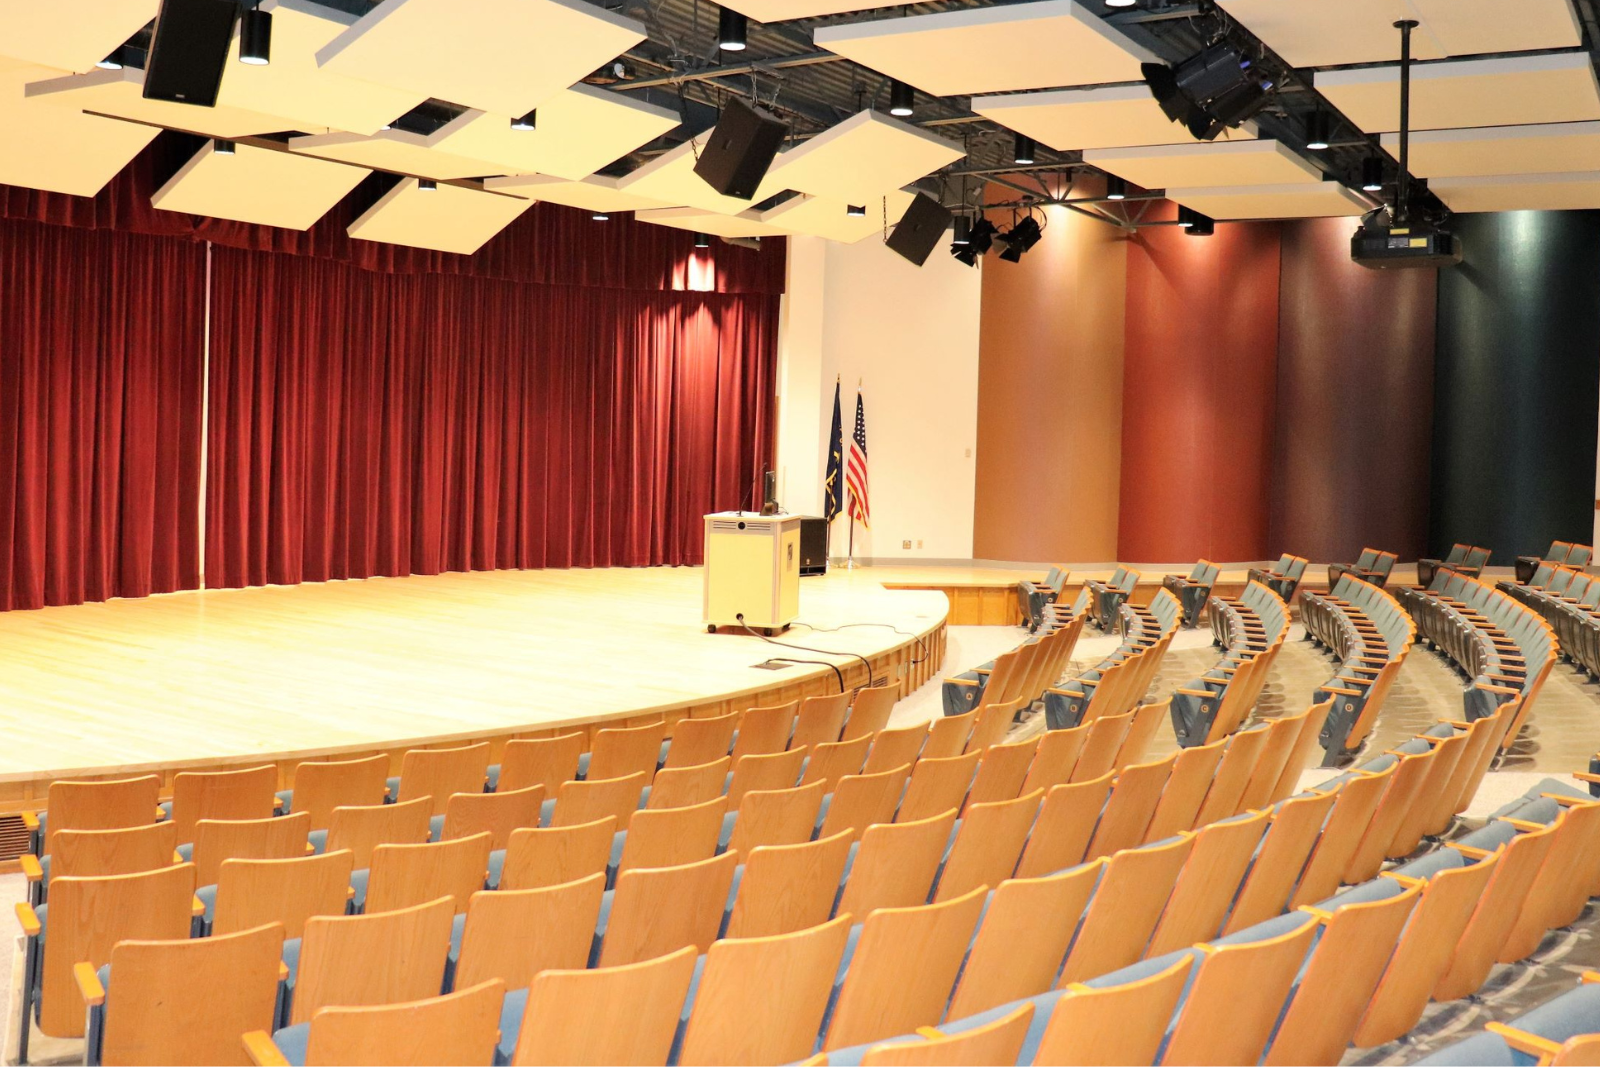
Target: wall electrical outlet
919,542
905,544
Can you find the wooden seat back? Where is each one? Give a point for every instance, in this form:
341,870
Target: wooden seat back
1113,1024
1217,1024
363,829
384,957
512,935
937,785
1296,825
948,735
407,875
773,770
1352,813
1496,914
498,814
688,785
1208,882
623,1014
658,910
322,785
272,838
764,730
1066,821
98,853
896,864
546,761
696,742
870,712
1101,745
1053,759
555,855
989,844
896,748
252,893
1178,808
777,817
863,800
1134,797
832,760
1121,918
459,1027
118,804
820,720
994,723
586,801
1233,776
1561,889
441,772
786,888
1001,772
623,751
250,793
671,837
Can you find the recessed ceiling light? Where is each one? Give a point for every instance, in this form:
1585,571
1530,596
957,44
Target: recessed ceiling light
113,61
530,121
902,99
427,185
702,240
1318,131
732,30
1116,188
856,211
255,37
1023,150
600,216
1372,174
222,148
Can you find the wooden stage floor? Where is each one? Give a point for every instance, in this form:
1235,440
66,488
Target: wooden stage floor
275,674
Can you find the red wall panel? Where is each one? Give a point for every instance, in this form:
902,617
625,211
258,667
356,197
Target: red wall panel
1199,393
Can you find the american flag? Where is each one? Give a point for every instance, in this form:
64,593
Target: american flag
855,477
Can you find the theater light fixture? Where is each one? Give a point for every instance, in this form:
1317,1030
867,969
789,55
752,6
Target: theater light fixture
1022,150
1021,237
1195,224
702,240
113,61
255,37
1116,188
527,122
1215,90
427,185
1122,3
732,30
855,211
1319,131
600,216
963,231
1372,175
222,148
902,99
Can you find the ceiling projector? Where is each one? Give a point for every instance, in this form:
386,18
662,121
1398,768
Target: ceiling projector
1384,245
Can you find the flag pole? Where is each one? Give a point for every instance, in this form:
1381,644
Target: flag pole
850,560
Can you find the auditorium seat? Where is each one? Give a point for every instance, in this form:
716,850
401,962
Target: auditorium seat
405,875
774,770
994,723
687,785
1178,807
761,1000
938,785
1034,597
621,752
362,829
948,736
1100,747
272,838
1371,634
1373,566
251,893
1250,629
513,934
557,854
1127,904
1496,913
764,730
1194,590
637,923
1107,596
782,889
870,712
591,799
1283,577
1526,566
995,1042
1054,758
1002,771
895,864
671,837
1066,820
828,761
778,817
1562,1031
1206,887
901,970
98,853
1427,568
497,814
622,1014
819,720
181,1001
861,800
988,844
438,773
696,742
1123,1023
546,761
460,1027
117,804
384,957
322,785
1353,809
250,793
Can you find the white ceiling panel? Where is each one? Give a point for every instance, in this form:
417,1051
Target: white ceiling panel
1521,192
449,218
1112,116
747,224
579,130
400,151
670,179
1511,91
294,86
1196,165
1548,149
1322,33
503,56
259,185
596,193
60,150
1296,200
1037,45
821,216
119,93
780,10
863,157
70,35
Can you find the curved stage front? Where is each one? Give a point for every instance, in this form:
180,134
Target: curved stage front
240,677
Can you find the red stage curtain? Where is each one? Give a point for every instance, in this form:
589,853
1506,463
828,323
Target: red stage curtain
367,423
101,342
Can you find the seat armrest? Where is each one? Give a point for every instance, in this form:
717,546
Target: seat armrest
30,867
259,1047
29,920
89,987
30,821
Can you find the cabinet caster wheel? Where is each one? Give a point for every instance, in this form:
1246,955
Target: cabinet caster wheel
766,631
711,629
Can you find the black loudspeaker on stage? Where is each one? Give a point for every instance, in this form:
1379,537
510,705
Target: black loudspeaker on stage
190,50
741,148
813,545
920,229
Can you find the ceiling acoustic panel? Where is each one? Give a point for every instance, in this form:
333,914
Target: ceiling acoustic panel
119,93
1111,116
399,151
70,35
1520,192
294,86
1548,149
1225,163
449,218
596,193
1296,200
822,216
745,224
781,10
503,56
1323,33
670,179
260,185
1039,45
578,131
1510,91
59,150
863,157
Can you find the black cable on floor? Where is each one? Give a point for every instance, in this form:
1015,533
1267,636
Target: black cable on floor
887,625
819,651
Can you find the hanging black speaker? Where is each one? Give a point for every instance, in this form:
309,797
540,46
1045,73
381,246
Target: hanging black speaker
190,50
920,229
740,150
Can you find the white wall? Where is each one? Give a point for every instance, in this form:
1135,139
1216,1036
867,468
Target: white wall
909,335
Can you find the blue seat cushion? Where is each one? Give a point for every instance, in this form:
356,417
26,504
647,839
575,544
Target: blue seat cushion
292,1040
1480,1050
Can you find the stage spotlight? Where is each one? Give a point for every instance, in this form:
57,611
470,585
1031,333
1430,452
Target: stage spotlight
255,37
1319,131
702,240
856,211
1022,150
223,148
964,254
1116,188
980,238
902,99
1210,92
1372,174
600,216
1122,3
732,30
427,185
963,231
527,122
113,61
1195,224
1021,237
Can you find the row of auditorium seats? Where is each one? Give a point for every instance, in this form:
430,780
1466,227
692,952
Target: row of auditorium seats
1373,566
1559,553
1035,597
1104,598
1569,600
1358,967
1194,590
1120,681
1250,630
1371,634
1504,649
1018,677
895,864
1282,577
1464,559
1564,1032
